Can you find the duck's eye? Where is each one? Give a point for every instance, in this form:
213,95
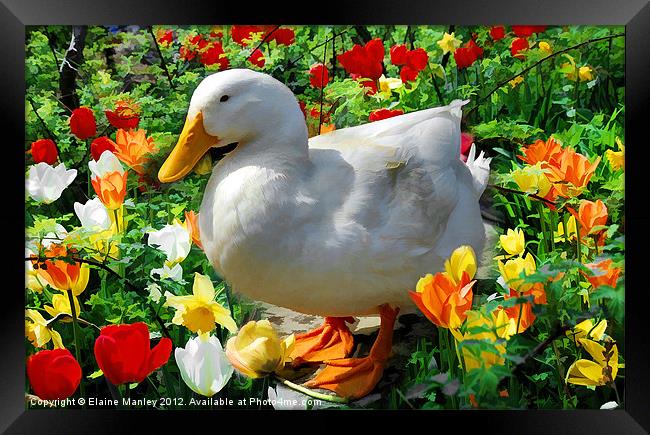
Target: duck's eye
224,98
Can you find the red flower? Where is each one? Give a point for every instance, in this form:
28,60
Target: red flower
467,54
283,36
315,113
366,61
125,116
186,53
518,45
123,354
408,74
466,140
524,31
398,54
82,123
303,108
380,114
165,37
497,32
318,75
476,50
215,54
417,59
44,150
100,145
240,33
257,58
53,374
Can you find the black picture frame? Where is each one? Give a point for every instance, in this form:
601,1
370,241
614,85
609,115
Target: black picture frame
634,14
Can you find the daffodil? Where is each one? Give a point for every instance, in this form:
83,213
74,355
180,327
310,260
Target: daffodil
387,85
449,43
61,305
257,350
601,371
46,183
616,159
512,270
203,365
513,242
174,240
461,260
545,47
199,312
586,328
38,331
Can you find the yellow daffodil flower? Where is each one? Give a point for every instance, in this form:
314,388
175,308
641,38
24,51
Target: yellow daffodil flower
61,305
532,179
587,328
572,230
512,270
387,85
257,350
601,371
461,260
545,47
449,43
513,242
39,333
616,158
199,312
514,82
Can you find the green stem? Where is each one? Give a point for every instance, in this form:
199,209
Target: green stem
308,392
73,311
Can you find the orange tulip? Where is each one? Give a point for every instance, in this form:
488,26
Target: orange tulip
541,151
441,301
192,224
111,189
132,147
590,215
527,316
570,172
60,274
604,274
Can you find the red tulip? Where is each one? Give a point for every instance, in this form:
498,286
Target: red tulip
466,140
100,145
476,50
318,75
417,59
366,61
53,374
518,45
497,32
467,54
398,54
283,36
215,54
123,353
44,150
125,116
240,33
164,37
379,114
524,31
257,58
82,123
408,74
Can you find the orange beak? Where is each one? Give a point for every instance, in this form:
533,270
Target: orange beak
192,144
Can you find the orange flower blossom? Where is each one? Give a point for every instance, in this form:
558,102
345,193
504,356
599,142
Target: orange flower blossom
541,151
109,180
132,147
590,215
603,273
570,172
60,274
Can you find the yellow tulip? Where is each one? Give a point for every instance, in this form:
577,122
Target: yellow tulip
601,371
616,158
572,230
449,43
587,328
514,82
61,305
461,260
38,331
513,242
512,270
257,350
482,327
532,179
545,47
199,311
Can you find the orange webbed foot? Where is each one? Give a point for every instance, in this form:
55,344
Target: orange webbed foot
354,378
332,340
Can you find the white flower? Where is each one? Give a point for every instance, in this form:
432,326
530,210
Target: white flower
174,240
46,183
175,273
609,405
287,399
154,292
106,164
93,214
203,365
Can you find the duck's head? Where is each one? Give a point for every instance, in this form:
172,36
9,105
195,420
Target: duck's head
234,109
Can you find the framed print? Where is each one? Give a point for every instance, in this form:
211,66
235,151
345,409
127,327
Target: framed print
385,210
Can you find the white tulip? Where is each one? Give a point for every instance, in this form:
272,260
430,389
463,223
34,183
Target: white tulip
175,273
46,183
106,164
174,240
93,214
203,365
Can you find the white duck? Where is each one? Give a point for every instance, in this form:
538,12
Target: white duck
342,224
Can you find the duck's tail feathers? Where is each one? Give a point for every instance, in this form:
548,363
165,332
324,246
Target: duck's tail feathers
480,169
